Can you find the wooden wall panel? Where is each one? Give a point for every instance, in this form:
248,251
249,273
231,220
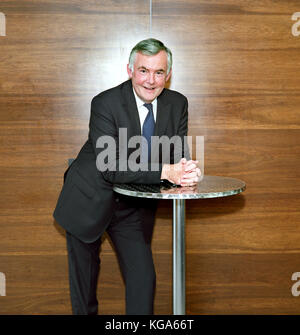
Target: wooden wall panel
238,64
56,56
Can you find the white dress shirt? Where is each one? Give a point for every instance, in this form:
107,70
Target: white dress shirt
143,111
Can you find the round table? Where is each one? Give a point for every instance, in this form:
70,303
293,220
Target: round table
208,187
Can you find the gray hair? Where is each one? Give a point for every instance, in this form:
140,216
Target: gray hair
150,47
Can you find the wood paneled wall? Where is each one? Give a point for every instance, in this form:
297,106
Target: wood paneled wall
238,63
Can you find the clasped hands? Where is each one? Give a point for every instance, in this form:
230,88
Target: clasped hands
183,173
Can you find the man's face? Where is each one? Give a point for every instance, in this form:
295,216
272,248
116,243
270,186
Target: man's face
149,75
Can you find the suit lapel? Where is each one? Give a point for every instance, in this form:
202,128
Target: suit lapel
130,106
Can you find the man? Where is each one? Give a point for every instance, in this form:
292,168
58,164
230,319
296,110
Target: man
87,205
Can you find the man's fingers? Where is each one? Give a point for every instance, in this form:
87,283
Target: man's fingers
189,180
190,165
190,175
187,184
192,161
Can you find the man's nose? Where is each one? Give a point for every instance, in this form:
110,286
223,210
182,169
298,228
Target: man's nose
151,78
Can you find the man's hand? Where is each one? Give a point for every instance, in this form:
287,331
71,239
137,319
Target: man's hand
184,173
191,174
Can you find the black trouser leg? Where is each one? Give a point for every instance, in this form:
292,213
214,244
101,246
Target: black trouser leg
84,265
131,236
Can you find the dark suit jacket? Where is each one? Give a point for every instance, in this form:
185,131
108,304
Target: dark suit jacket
86,202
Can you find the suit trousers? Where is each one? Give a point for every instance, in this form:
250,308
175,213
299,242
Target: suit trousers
131,234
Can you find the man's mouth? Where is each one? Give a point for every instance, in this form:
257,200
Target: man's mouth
149,88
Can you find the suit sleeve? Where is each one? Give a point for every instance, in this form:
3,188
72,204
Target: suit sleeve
181,136
182,133
102,124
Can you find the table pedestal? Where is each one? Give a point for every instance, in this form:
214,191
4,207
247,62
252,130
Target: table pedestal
178,256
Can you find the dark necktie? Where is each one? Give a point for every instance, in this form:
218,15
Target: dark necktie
148,129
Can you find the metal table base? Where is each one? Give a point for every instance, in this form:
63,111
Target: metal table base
178,256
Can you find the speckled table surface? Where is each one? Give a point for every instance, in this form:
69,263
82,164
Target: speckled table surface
208,187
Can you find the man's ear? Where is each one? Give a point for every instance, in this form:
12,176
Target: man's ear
169,75
129,71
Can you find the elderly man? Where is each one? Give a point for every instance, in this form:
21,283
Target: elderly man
87,205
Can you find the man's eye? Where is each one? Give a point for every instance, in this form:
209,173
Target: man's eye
143,71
